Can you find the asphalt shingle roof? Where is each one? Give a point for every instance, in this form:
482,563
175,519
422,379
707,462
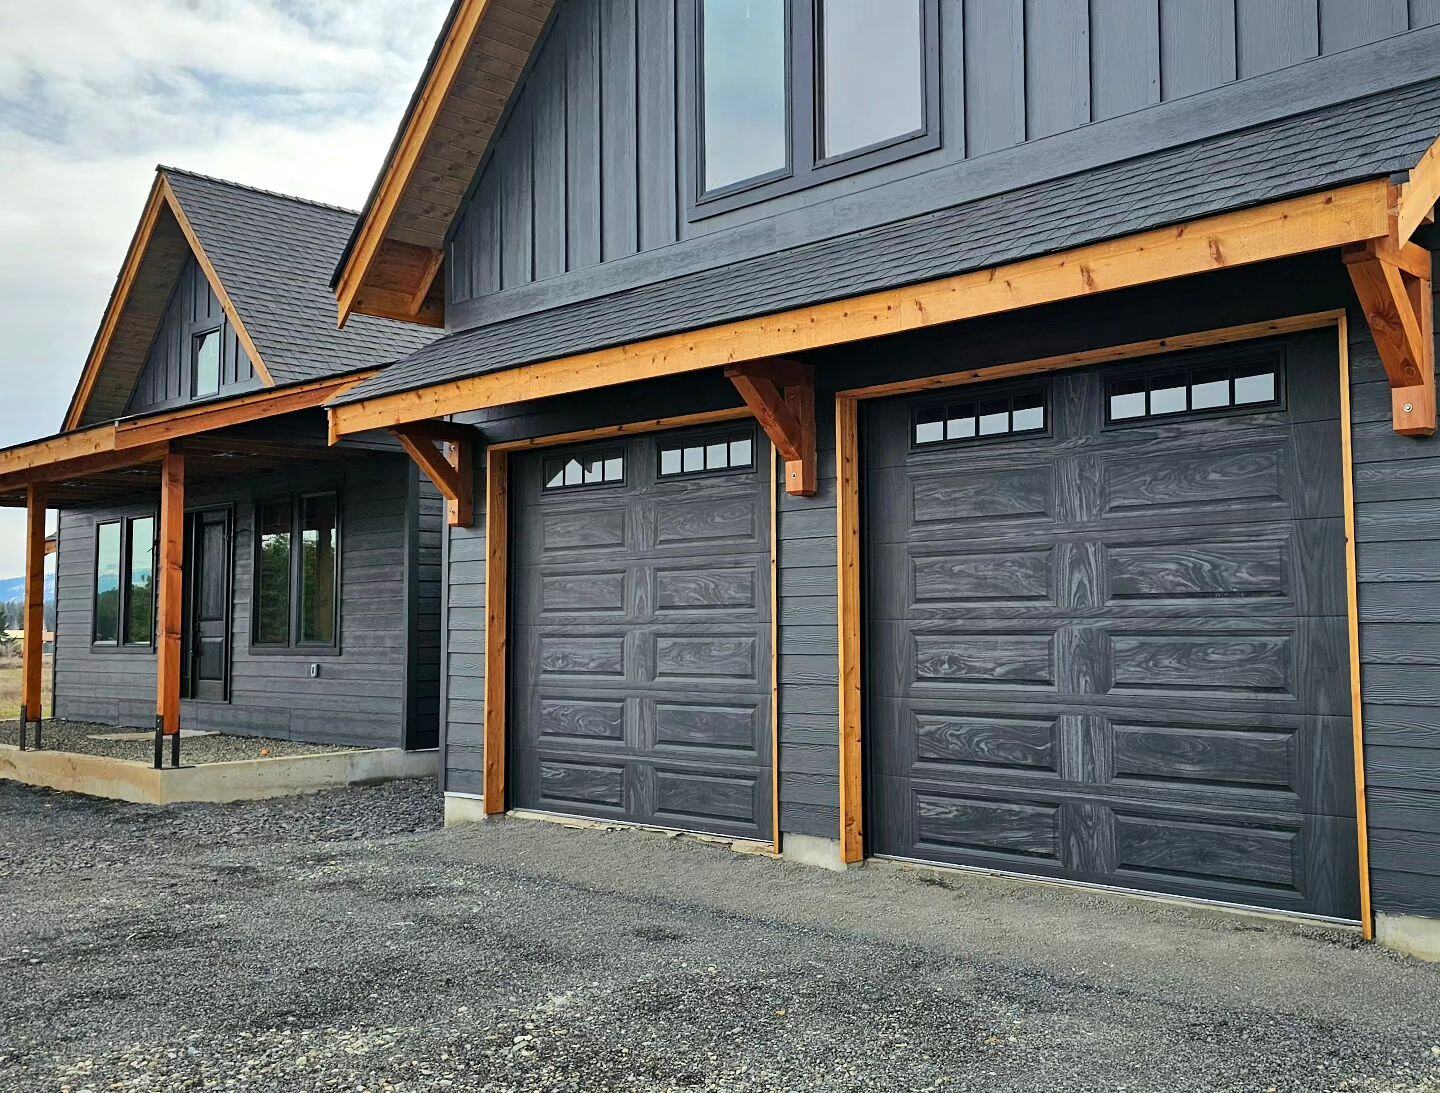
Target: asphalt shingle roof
275,254
1363,139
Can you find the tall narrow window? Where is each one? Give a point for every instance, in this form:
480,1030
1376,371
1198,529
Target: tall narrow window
745,91
272,573
140,582
207,363
872,73
107,584
319,573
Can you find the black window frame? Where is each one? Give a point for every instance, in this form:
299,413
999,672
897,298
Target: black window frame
197,338
603,455
294,646
121,644
1273,361
704,440
804,103
963,395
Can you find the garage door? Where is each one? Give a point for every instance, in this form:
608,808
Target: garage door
1107,633
640,609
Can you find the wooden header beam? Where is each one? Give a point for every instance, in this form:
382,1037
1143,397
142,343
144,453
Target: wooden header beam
1299,225
1418,197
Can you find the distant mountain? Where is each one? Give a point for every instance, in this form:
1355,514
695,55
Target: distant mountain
12,589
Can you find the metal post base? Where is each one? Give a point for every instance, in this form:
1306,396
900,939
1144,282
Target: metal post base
160,745
24,726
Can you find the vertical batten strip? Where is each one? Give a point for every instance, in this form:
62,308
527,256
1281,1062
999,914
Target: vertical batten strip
852,804
1352,600
497,625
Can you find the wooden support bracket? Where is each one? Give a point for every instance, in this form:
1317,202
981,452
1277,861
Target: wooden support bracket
781,395
1393,286
452,470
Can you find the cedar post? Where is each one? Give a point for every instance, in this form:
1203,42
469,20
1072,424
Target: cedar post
33,646
171,574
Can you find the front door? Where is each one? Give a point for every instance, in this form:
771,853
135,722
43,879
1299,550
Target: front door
205,669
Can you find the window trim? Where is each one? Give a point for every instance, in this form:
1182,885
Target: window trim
803,111
197,336
293,645
120,645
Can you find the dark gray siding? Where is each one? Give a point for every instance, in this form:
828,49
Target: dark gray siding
1397,531
360,695
166,380
1398,494
426,528
592,167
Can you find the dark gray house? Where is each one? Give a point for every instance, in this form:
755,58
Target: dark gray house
219,564
987,433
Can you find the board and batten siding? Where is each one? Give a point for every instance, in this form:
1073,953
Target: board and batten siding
1397,532
592,168
360,696
165,381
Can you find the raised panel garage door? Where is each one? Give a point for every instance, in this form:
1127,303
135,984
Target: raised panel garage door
640,630
1106,628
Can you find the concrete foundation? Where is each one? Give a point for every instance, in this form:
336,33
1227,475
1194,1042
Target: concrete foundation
814,851
215,783
1414,935
461,808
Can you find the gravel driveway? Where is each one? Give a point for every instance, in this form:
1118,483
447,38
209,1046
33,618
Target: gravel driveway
344,942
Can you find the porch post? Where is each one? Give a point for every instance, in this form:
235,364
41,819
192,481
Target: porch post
34,620
171,582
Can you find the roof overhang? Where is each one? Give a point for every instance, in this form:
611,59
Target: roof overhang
92,463
391,267
159,249
1322,221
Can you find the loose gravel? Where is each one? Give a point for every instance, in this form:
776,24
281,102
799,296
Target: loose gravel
78,736
343,941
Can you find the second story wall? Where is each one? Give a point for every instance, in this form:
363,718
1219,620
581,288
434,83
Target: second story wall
596,165
196,353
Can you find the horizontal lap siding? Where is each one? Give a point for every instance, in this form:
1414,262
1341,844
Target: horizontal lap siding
1397,498
427,533
359,697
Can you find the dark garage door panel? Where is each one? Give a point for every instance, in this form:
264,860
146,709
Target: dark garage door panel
1117,654
641,646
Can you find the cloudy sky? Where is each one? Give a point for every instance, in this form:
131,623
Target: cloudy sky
300,96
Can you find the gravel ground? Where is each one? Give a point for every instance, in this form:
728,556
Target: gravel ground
208,748
343,942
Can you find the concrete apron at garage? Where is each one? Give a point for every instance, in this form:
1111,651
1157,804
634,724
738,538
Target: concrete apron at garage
214,783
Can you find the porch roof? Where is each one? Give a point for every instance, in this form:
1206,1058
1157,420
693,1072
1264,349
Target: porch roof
1360,141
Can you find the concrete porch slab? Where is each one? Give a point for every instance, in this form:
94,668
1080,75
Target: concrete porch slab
214,783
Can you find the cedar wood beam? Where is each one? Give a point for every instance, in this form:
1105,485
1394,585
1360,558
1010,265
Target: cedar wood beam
1299,225
1393,285
497,625
171,573
402,166
33,644
452,471
1419,195
781,395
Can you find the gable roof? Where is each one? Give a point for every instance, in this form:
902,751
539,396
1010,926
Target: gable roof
1365,139
390,265
268,258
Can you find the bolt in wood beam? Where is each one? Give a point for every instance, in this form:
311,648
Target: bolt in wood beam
781,395
33,646
172,582
1393,285
452,471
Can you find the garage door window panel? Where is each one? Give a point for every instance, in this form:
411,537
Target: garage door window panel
987,418
731,451
593,469
1204,390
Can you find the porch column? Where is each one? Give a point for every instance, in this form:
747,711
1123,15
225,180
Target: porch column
34,619
170,572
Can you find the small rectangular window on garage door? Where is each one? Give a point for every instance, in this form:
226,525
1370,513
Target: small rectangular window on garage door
983,418
733,450
1253,384
605,468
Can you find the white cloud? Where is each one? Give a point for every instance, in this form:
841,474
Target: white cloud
300,96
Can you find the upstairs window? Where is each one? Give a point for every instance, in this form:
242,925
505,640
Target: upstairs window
206,373
792,93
